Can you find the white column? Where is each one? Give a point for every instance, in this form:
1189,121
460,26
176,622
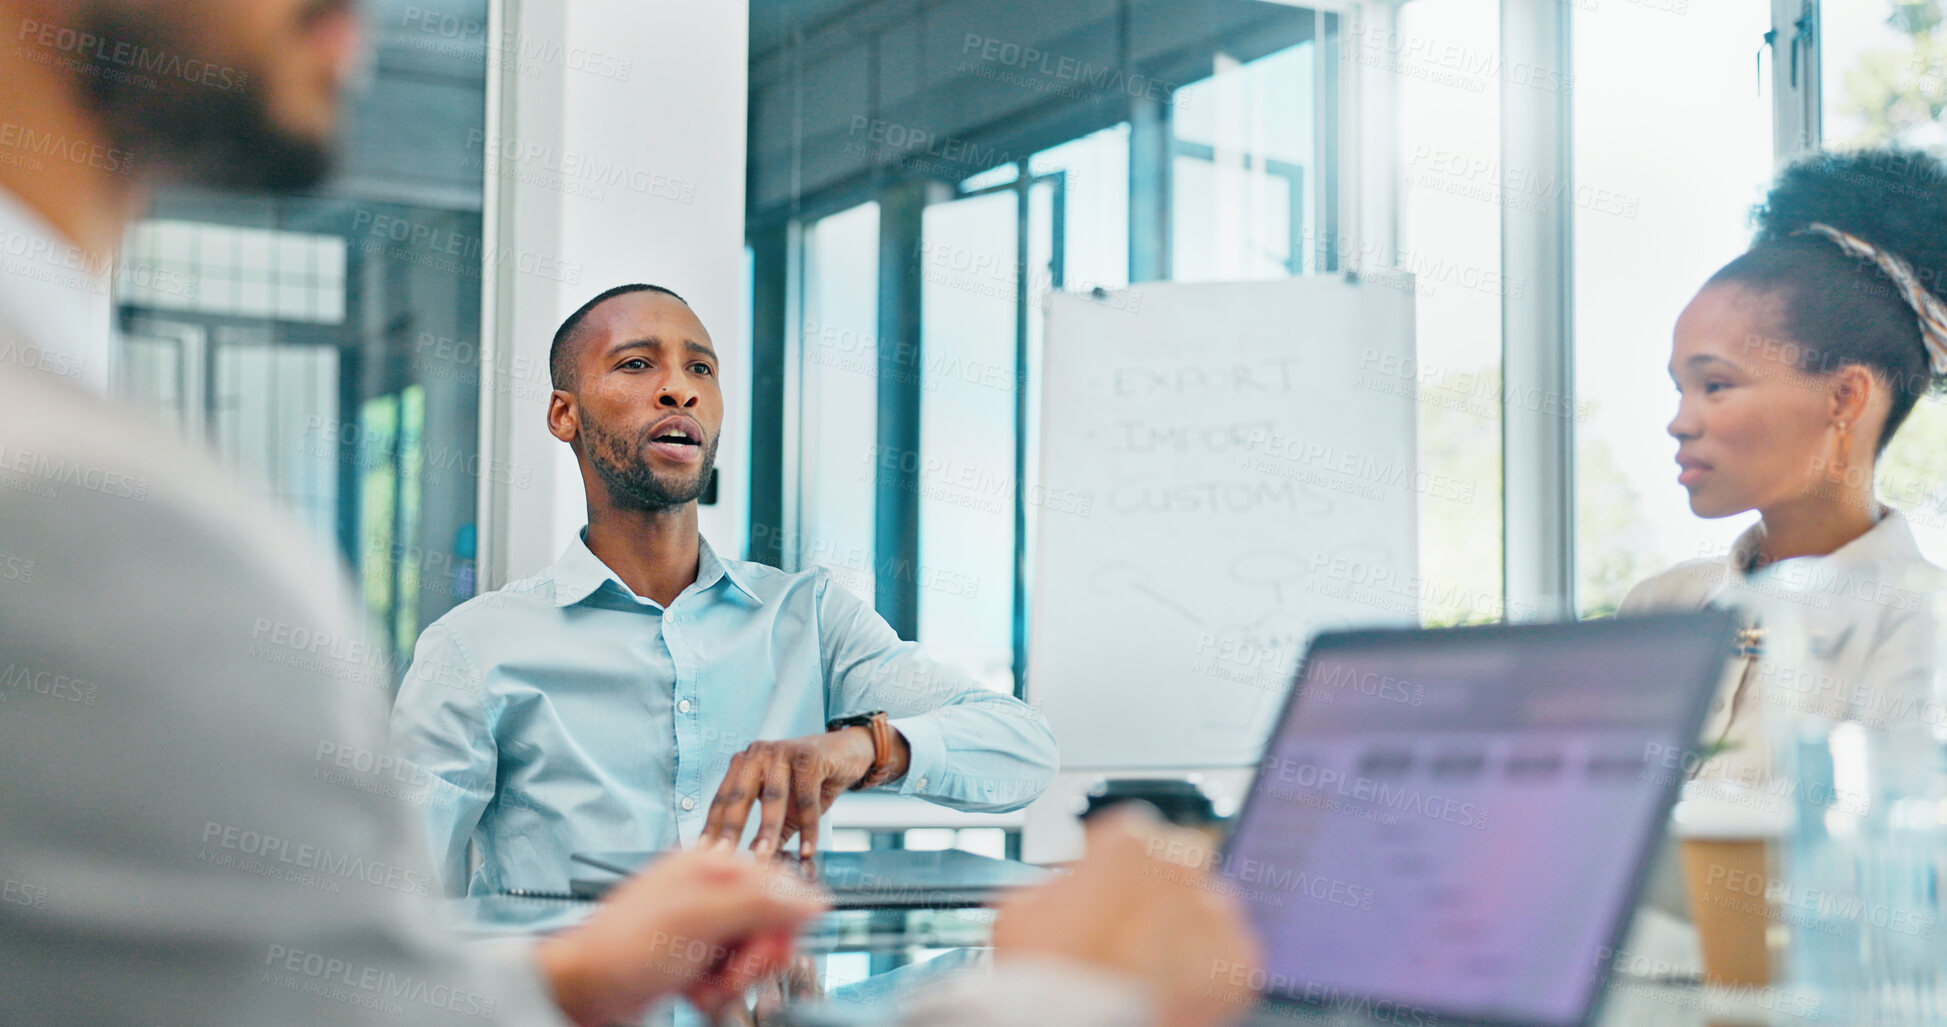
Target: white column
615,154
1537,321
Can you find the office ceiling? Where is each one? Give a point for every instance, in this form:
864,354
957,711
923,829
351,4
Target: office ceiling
901,66
773,21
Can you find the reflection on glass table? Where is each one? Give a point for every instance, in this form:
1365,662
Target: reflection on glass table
862,958
849,930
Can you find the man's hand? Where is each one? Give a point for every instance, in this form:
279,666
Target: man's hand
707,924
1139,906
795,781
774,997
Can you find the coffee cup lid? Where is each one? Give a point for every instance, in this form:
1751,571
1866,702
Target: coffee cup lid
1730,812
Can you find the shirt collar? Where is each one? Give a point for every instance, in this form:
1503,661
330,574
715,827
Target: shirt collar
579,573
56,296
710,569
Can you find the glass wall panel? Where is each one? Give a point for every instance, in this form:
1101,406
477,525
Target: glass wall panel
840,398
967,408
1667,168
1884,81
1144,135
1451,187
1242,169
326,346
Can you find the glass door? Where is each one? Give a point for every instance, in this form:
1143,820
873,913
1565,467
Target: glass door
971,405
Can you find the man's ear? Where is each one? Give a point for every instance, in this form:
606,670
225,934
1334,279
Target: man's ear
564,417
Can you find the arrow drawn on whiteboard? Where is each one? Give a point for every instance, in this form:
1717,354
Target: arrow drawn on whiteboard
1114,577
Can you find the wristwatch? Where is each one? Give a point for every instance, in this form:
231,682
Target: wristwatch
881,727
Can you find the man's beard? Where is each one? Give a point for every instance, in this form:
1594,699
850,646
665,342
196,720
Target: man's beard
223,138
631,483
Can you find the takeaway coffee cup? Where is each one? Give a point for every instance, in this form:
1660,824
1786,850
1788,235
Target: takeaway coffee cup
1727,834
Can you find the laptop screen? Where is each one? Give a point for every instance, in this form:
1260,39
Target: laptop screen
1455,823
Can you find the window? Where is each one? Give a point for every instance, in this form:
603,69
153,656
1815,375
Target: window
838,431
1884,73
1666,169
1186,141
1449,239
1884,80
1243,169
327,346
971,295
243,272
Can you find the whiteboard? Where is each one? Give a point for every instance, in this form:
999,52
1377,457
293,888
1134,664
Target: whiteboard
1224,469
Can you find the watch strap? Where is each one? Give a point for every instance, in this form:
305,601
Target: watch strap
880,727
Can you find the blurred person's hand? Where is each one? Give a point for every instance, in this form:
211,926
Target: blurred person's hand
706,924
1140,906
772,999
796,985
793,781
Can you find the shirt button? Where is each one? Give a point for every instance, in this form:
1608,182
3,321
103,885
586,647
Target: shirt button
683,707
921,783
688,803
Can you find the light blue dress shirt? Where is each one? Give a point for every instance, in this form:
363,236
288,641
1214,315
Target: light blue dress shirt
564,713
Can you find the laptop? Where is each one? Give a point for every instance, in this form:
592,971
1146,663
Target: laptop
1453,825
875,879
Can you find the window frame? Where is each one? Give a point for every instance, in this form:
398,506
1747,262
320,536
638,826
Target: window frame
779,257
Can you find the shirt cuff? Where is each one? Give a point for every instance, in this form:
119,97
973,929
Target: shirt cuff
1033,991
926,764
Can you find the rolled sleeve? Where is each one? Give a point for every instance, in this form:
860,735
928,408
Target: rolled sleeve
971,748
442,724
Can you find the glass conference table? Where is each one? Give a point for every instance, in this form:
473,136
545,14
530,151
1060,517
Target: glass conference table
862,959
859,931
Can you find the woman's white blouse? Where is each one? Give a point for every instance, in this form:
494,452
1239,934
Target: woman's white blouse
1868,646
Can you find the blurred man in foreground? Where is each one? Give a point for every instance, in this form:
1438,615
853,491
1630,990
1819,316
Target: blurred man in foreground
169,852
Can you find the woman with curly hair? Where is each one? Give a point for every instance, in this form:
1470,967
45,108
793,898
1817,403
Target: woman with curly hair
1794,365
